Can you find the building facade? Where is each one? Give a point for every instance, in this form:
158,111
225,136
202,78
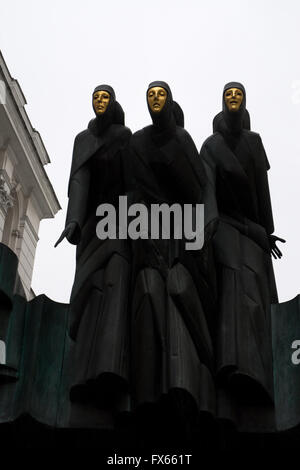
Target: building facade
26,194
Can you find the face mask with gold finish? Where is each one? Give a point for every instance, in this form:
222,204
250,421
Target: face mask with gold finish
234,116
101,100
156,97
233,99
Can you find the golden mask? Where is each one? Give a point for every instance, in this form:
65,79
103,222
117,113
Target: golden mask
233,99
156,98
100,101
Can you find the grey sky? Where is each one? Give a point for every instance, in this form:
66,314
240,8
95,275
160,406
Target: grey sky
60,50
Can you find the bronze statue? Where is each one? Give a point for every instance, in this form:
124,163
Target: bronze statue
98,305
172,353
243,244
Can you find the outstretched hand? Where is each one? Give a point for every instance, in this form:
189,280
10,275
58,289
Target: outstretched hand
275,252
67,233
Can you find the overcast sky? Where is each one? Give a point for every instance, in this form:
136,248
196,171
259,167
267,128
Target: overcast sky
60,50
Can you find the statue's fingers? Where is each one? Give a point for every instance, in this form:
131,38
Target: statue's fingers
58,242
60,239
282,240
277,250
72,231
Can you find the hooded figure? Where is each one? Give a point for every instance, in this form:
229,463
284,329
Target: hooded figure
172,353
98,304
243,245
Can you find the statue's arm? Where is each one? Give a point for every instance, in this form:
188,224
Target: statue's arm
196,163
211,213
266,215
77,206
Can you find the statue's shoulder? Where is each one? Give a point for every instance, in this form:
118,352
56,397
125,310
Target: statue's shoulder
258,151
186,139
182,133
253,136
127,132
139,136
213,139
120,131
141,132
211,150
119,134
82,136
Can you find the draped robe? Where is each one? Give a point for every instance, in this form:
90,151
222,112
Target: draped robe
172,302
99,298
246,284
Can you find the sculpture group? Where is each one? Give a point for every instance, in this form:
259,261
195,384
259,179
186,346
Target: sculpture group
155,323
